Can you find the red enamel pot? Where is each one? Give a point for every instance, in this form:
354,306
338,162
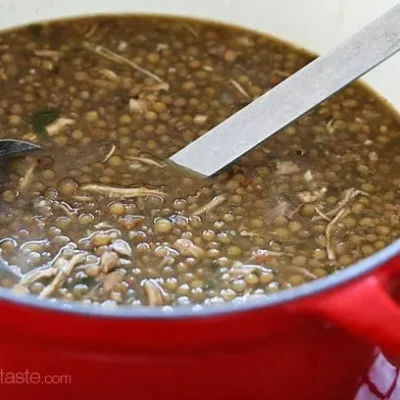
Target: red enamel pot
312,342
315,342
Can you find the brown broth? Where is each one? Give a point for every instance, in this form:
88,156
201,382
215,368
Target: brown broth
100,217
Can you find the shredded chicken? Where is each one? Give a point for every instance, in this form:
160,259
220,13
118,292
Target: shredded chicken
310,197
191,30
240,271
215,202
167,260
109,74
111,279
104,225
131,222
263,256
37,274
138,106
303,271
373,156
308,176
307,197
62,275
92,30
161,47
188,249
348,195
122,192
83,199
283,209
281,73
110,153
91,294
287,168
109,261
329,127
154,292
157,87
329,245
121,247
200,119
240,88
48,53
66,208
110,55
49,270
251,234
30,137
27,178
144,160
322,215
58,125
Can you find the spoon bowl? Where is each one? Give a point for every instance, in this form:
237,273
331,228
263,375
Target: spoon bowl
11,147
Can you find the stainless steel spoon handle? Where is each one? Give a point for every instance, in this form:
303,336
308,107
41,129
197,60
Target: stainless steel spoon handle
294,97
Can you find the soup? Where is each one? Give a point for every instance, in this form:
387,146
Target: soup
100,217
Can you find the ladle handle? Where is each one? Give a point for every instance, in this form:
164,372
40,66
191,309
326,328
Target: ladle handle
295,96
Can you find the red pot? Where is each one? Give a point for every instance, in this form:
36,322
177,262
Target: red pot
313,342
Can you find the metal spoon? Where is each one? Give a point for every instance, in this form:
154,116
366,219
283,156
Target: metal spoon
11,147
294,97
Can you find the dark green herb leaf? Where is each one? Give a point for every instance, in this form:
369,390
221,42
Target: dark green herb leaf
42,119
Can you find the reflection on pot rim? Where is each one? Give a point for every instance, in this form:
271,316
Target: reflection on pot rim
347,275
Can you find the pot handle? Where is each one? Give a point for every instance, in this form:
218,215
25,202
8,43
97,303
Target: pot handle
366,308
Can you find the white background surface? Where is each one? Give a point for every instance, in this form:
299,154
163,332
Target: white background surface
315,24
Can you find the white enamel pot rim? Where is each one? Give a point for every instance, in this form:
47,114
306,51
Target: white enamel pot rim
313,24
